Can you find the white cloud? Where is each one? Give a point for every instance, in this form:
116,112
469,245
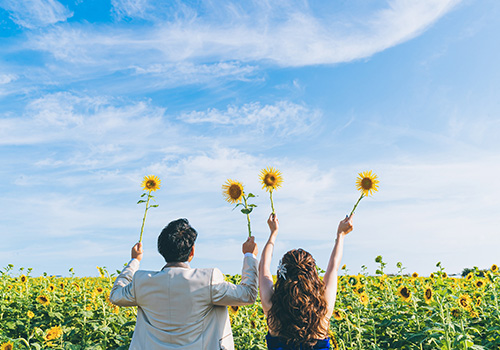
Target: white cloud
67,116
293,37
283,117
189,73
36,13
7,78
131,8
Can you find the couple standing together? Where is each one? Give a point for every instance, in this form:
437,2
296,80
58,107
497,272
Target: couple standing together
184,308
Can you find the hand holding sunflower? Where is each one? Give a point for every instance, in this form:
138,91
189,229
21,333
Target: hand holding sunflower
367,183
150,183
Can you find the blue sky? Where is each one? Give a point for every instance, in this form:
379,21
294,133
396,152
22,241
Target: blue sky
97,94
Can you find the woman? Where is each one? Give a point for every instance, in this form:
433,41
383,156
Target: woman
299,306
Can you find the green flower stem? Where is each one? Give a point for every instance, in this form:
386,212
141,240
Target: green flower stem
248,217
355,205
272,204
145,213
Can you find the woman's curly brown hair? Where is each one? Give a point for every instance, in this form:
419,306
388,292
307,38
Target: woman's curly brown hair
298,303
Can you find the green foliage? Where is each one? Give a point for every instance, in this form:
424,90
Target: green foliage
80,308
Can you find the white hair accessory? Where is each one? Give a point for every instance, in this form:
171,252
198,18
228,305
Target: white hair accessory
282,270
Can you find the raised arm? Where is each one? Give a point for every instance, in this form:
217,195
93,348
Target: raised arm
245,293
330,278
122,293
265,275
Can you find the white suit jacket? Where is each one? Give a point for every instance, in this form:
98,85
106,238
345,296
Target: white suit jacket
183,308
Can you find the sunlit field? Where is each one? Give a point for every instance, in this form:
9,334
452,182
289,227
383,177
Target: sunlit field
372,312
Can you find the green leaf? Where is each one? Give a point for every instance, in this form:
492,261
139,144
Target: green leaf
142,195
154,206
250,195
252,205
246,211
237,205
141,201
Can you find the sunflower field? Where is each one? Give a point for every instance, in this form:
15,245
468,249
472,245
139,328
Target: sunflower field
372,312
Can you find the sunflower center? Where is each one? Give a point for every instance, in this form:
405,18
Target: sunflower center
269,180
43,299
234,191
428,293
151,184
366,183
405,292
464,302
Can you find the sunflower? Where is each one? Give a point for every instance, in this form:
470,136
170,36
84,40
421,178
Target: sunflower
338,315
480,283
271,178
367,183
30,314
7,346
233,310
494,268
431,275
333,341
99,290
253,324
428,294
151,183
51,288
233,191
470,275
414,275
404,293
43,299
364,299
53,333
465,302
23,279
353,280
115,309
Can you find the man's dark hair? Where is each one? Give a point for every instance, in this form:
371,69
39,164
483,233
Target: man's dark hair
176,240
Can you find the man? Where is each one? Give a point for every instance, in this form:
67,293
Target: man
180,307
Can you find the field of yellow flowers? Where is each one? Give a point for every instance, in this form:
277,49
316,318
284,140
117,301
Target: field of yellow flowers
372,312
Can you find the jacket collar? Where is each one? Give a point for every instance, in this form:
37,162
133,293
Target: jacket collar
184,265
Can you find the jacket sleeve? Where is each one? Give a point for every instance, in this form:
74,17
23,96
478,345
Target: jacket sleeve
123,291
245,293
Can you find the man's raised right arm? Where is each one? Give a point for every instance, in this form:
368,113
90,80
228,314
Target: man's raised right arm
123,292
245,293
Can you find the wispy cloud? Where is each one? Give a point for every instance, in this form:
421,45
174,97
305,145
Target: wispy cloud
186,73
283,117
285,35
35,13
7,78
